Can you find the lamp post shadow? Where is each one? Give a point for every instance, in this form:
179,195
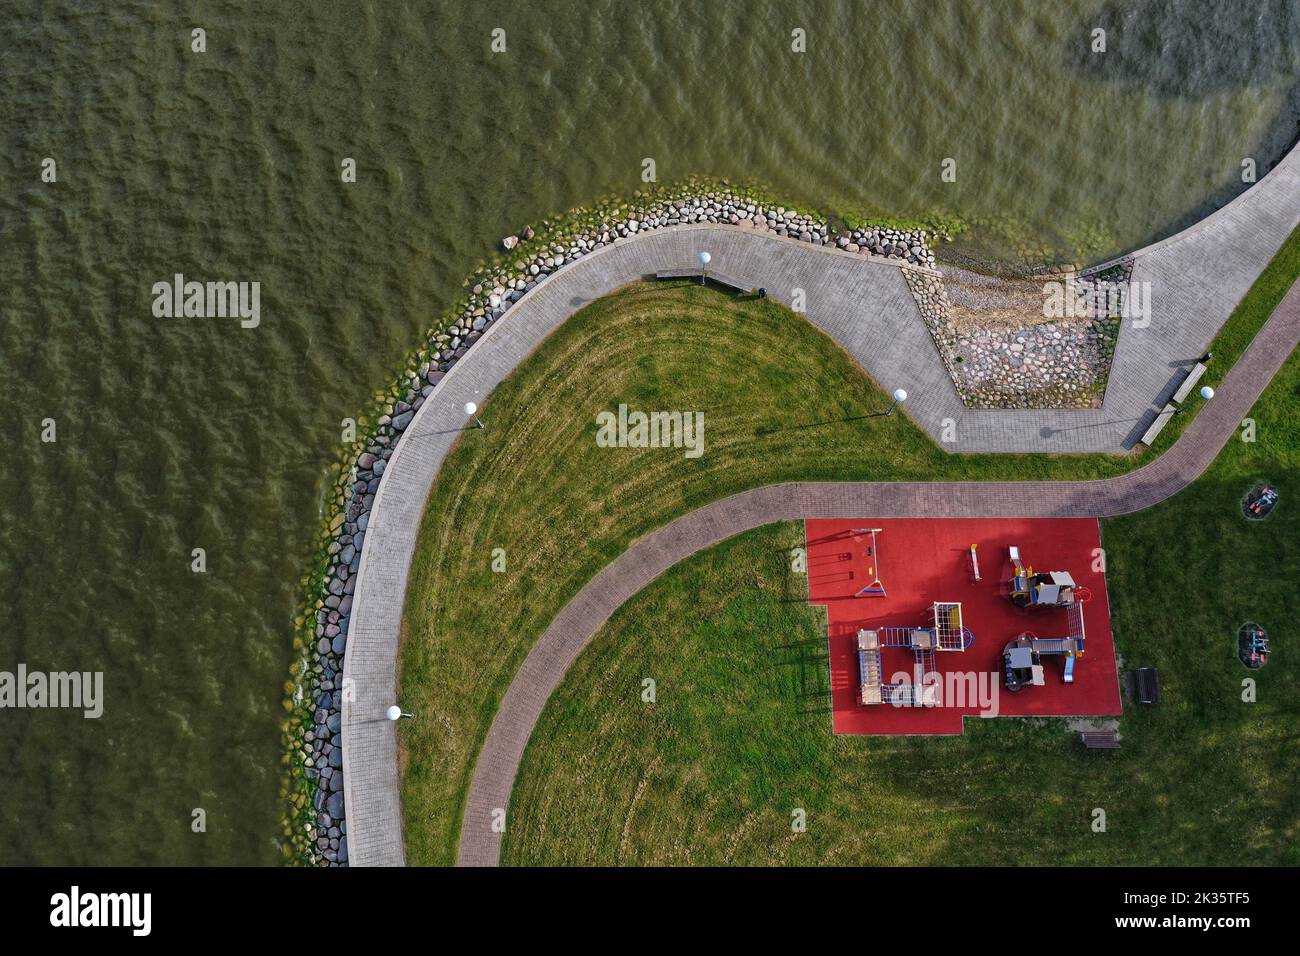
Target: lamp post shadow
445,431
764,430
1048,431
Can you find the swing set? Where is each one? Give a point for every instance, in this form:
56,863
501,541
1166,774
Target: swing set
875,589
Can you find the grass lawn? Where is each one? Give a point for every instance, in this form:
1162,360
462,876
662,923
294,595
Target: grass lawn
739,734
782,402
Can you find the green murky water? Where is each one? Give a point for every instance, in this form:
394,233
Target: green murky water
177,434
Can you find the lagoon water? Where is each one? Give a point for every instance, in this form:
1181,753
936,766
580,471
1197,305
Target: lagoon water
175,434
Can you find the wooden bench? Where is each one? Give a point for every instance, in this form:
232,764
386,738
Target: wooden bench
1189,383
1161,421
1171,408
718,277
1100,740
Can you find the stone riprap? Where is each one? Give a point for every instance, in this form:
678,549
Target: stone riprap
883,241
1002,349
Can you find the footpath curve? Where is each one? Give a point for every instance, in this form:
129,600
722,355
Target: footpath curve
1197,276
650,556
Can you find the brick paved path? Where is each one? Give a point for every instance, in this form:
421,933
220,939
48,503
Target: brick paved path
654,554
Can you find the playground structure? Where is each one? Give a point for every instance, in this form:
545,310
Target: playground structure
947,633
1049,589
875,589
1022,658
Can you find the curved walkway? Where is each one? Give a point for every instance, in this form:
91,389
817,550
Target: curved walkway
649,557
862,303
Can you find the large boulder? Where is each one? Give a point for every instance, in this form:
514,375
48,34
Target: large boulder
334,805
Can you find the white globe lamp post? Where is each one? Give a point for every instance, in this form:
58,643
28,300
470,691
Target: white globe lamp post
1206,393
900,395
705,259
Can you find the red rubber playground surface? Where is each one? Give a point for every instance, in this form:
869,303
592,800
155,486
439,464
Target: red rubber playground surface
923,560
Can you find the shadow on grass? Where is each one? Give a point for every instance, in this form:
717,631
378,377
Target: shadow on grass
764,430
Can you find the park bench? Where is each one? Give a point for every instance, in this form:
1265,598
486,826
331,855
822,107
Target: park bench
718,277
1161,421
1189,383
1147,685
1171,408
1100,740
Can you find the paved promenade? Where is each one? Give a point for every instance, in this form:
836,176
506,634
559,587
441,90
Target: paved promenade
865,305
